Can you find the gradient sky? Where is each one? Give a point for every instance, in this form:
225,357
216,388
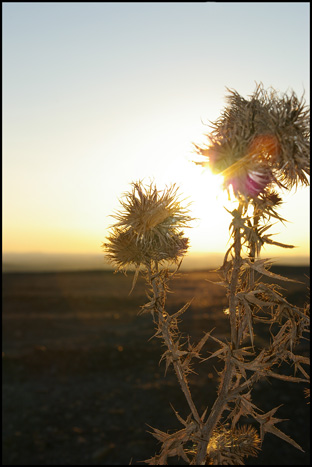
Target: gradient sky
97,95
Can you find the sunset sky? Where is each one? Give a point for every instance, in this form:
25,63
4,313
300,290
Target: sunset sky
97,95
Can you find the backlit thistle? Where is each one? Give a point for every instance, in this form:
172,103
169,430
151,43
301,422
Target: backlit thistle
259,142
148,228
258,145
148,233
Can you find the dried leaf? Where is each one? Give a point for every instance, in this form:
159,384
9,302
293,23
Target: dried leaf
266,239
259,266
275,431
181,311
293,379
135,278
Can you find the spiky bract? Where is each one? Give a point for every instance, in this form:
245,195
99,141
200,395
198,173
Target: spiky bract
148,228
260,141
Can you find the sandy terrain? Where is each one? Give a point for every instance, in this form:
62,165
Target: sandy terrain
82,381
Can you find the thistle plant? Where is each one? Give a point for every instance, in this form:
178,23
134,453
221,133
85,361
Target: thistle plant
261,147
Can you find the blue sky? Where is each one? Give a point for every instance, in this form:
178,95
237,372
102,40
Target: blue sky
97,95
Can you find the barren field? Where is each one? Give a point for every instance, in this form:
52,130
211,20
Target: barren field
82,381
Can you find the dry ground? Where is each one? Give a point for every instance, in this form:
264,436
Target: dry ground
82,381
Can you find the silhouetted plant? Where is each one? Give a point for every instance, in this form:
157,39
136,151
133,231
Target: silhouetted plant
260,146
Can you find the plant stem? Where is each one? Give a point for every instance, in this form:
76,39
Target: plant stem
220,403
252,247
234,282
163,325
215,414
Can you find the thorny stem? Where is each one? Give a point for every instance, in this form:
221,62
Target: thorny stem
220,403
158,291
234,282
215,414
252,246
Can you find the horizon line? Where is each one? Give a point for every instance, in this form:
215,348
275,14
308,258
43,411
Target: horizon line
59,262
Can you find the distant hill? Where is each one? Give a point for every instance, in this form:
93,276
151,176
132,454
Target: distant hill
42,262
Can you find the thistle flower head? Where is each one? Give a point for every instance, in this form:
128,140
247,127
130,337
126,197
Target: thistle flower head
148,228
148,210
231,446
260,141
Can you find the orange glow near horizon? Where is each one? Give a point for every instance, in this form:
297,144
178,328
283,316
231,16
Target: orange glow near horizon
69,211
209,232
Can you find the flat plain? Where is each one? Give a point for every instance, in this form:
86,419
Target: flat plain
82,383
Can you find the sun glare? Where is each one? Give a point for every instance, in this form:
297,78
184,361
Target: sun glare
203,190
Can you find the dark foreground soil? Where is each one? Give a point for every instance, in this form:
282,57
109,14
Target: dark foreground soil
82,382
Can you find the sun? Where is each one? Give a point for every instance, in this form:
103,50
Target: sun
203,190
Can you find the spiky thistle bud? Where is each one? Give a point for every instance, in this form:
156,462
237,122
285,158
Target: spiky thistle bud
261,141
231,446
148,228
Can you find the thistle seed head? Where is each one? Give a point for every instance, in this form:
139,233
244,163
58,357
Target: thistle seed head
148,228
146,209
261,141
122,248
